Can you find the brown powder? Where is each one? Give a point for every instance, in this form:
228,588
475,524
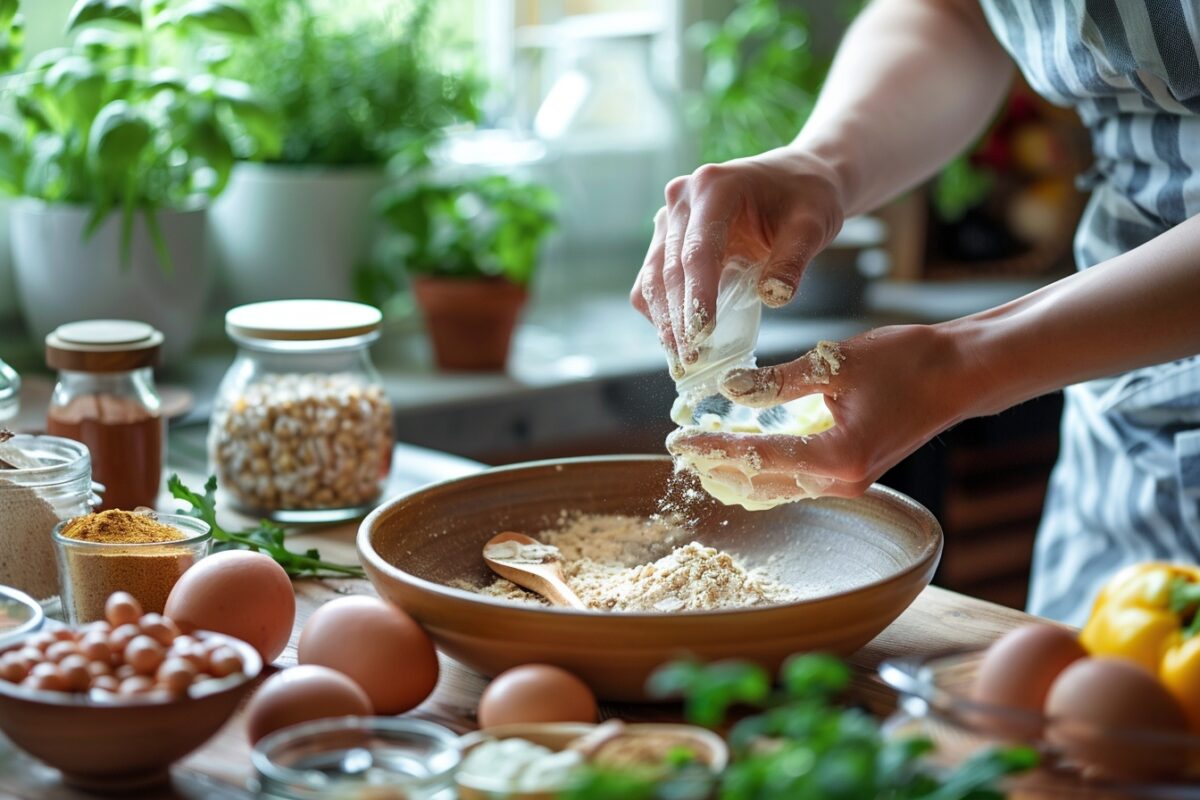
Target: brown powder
120,527
618,563
126,562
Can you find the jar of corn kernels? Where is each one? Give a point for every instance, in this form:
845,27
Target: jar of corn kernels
301,429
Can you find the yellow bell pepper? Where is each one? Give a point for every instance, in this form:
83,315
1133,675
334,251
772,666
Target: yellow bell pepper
1150,613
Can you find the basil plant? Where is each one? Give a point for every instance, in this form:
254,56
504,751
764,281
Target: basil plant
129,117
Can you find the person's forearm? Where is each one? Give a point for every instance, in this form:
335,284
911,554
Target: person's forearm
1135,310
913,83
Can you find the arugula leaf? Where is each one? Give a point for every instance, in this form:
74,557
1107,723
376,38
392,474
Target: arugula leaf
267,538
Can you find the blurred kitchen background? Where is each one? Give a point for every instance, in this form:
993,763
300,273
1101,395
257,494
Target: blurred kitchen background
356,148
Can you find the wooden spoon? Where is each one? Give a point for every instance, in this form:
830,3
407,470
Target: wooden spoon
544,578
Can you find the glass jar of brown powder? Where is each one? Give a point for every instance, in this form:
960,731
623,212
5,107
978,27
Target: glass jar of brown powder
106,399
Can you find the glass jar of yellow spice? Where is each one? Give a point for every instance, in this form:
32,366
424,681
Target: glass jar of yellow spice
139,552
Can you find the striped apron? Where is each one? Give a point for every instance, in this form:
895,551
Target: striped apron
1126,486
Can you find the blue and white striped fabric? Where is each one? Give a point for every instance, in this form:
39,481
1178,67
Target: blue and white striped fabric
1127,484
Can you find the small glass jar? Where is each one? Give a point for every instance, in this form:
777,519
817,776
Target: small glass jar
356,758
105,397
301,428
32,501
91,571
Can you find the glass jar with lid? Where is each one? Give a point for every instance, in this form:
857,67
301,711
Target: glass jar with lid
106,398
301,428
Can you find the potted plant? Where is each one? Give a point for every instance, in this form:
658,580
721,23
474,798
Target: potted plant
353,92
113,156
471,249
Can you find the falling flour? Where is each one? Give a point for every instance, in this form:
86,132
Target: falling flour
619,563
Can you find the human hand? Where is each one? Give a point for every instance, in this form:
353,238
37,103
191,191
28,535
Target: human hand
781,208
889,390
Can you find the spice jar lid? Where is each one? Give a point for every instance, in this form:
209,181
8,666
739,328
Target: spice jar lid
103,345
302,320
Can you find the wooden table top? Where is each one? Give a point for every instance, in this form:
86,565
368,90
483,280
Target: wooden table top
938,622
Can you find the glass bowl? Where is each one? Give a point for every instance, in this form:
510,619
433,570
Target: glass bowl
356,758
20,614
91,571
934,700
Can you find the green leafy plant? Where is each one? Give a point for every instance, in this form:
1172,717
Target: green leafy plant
111,123
800,744
761,80
12,35
267,537
489,227
352,91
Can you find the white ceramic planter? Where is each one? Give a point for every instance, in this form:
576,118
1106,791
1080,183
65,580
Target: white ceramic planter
283,232
61,277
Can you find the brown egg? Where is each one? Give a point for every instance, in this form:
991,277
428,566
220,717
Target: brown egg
378,646
302,694
144,654
122,608
175,675
1017,672
74,669
1095,697
536,693
239,593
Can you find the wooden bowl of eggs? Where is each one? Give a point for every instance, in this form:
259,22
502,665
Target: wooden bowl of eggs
113,706
849,566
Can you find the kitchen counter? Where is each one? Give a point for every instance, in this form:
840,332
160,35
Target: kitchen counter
586,371
938,622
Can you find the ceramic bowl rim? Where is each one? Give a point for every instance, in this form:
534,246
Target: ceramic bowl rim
252,664
930,553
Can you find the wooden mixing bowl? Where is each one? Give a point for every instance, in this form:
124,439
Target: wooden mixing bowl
856,564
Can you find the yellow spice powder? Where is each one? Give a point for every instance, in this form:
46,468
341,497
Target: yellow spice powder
120,527
147,573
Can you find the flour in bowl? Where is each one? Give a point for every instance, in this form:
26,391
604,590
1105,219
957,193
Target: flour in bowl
620,563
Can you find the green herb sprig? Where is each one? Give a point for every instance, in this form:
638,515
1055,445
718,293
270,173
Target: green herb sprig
801,744
267,538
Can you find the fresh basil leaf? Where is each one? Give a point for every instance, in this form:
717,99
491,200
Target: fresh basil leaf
13,161
121,12
78,87
8,11
118,139
97,43
215,16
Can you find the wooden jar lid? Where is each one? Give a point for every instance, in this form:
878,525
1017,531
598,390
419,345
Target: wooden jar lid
103,345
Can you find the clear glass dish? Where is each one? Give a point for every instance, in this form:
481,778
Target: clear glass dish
934,700
91,571
356,758
20,614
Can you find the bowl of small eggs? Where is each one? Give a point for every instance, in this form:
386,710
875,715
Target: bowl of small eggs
112,704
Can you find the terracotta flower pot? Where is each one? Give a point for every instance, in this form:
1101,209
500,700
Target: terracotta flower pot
470,321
